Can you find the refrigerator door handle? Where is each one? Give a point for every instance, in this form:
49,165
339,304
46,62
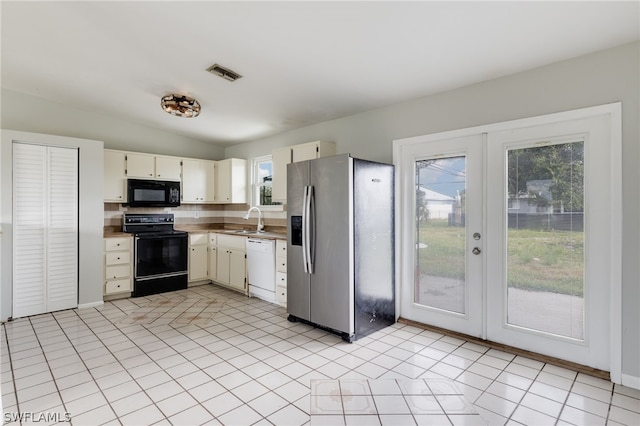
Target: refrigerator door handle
311,227
305,231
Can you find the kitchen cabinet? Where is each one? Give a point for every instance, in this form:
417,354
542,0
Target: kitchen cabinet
281,272
149,166
231,262
168,168
118,266
213,256
312,150
140,165
282,156
198,257
115,178
279,159
198,181
231,181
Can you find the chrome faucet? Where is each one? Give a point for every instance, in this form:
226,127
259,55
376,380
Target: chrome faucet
260,224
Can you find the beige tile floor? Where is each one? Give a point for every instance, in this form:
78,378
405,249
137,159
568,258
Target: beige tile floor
210,356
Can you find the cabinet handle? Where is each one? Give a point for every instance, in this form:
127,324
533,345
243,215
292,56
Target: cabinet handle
150,174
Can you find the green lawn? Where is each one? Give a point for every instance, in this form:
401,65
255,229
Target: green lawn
537,260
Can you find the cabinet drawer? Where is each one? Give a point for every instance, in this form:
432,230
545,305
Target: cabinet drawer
232,242
281,264
213,239
117,258
117,271
117,286
197,239
281,279
281,248
119,243
281,294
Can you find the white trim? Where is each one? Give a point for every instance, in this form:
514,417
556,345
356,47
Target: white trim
615,302
90,305
630,381
614,111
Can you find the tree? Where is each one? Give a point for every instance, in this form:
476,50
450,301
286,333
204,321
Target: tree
562,164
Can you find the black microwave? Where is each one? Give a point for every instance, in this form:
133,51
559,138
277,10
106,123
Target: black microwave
153,193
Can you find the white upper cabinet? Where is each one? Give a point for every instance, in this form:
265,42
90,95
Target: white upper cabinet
140,165
198,181
202,181
312,150
282,156
168,168
231,181
149,166
279,159
115,179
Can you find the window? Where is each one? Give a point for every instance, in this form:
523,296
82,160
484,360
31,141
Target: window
261,181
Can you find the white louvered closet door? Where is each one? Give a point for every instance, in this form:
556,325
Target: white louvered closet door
45,243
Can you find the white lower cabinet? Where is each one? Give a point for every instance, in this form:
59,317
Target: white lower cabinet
281,272
198,257
118,265
230,262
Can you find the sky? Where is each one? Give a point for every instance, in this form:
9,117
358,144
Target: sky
444,175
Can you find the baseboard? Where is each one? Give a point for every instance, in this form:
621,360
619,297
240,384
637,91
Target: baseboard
90,305
631,381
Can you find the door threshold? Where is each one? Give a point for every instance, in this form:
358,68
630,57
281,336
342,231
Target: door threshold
600,374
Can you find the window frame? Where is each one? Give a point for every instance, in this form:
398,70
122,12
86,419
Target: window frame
255,184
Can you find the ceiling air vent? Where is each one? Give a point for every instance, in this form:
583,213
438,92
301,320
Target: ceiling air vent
223,72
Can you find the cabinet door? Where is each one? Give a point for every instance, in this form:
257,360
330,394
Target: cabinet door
237,269
210,181
114,176
198,263
280,158
213,263
223,267
305,151
194,180
140,165
223,181
168,168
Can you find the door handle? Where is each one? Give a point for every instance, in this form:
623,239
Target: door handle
476,251
305,218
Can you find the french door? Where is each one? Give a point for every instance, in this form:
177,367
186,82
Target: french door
506,235
442,182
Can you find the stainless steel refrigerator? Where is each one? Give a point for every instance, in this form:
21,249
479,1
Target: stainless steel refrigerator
340,251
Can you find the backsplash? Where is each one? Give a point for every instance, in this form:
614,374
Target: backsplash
206,214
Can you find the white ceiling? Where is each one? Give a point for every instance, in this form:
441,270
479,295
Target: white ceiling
301,62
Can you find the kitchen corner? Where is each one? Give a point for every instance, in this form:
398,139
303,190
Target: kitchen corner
216,250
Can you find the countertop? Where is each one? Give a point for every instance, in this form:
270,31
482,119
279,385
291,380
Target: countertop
270,234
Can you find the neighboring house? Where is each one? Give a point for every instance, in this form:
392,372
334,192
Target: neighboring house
436,205
537,199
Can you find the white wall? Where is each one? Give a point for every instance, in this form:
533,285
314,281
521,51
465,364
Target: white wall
90,217
31,114
604,77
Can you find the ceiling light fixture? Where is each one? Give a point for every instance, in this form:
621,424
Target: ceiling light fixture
180,105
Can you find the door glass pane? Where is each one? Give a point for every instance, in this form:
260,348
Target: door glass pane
440,186
545,243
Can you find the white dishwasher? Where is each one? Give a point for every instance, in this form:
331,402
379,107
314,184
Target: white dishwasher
261,268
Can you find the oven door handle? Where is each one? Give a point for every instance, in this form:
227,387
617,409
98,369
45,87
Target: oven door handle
156,237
